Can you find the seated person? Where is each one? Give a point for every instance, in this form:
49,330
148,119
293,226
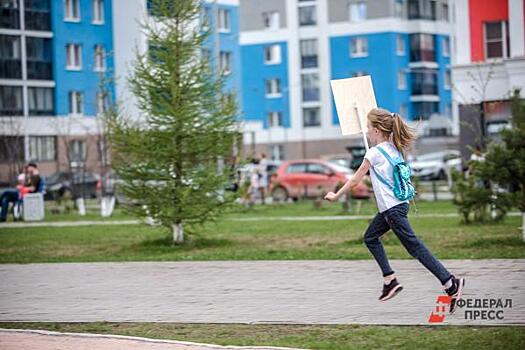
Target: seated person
32,184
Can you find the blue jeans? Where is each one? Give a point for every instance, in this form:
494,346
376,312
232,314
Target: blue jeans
8,196
395,218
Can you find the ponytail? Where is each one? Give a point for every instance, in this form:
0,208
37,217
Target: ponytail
392,124
403,135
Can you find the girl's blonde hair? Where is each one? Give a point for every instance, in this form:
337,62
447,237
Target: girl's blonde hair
392,124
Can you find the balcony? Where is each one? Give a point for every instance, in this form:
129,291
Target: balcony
40,70
10,69
10,18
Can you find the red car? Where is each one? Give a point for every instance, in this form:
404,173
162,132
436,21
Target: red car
312,178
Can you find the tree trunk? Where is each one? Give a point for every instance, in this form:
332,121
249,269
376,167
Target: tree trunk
178,233
107,204
81,205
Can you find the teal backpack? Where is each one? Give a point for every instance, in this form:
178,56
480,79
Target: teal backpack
402,186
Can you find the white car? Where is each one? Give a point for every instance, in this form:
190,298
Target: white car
436,165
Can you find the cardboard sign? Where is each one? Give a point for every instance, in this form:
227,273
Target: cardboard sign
349,93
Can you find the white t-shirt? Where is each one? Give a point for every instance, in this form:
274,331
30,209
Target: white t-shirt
384,195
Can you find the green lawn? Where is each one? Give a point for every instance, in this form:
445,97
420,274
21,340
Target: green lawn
260,239
321,337
300,208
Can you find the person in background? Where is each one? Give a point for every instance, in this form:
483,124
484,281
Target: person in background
254,181
31,184
263,176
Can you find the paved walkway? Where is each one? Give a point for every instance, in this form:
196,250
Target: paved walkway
311,292
45,340
265,218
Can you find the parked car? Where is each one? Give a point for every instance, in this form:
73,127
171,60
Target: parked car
345,161
436,165
62,183
312,178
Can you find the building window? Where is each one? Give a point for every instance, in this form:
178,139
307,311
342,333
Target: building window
40,101
446,46
225,62
307,16
275,119
448,79
101,103
401,80
310,85
74,57
273,88
98,11
422,9
77,151
403,110
271,20
76,102
37,15
206,18
359,47
272,54
357,11
400,45
308,53
72,10
12,148
42,148
424,82
277,152
10,61
422,47
11,101
224,20
496,40
10,17
39,58
311,117
444,7
424,110
100,59
398,8
359,73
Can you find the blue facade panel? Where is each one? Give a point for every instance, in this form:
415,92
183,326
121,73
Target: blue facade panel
382,63
255,73
227,41
86,34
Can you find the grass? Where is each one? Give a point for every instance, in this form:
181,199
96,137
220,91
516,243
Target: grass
261,239
321,337
300,208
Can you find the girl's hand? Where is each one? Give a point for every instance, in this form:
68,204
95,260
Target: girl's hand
330,196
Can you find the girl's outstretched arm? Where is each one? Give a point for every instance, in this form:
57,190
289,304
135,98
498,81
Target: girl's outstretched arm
351,183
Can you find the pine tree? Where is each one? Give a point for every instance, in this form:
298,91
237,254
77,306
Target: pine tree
168,159
505,161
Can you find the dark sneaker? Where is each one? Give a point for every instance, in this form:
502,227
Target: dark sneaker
455,291
390,290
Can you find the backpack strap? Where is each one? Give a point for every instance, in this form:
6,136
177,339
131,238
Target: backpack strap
387,156
382,179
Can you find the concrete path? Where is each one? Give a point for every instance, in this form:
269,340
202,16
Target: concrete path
310,292
265,218
46,340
